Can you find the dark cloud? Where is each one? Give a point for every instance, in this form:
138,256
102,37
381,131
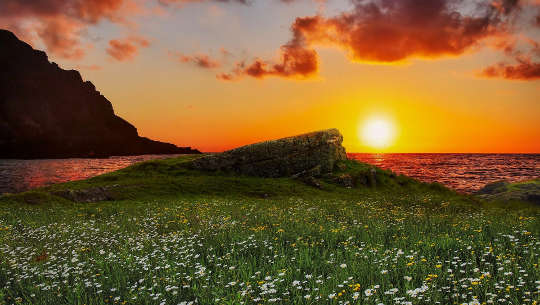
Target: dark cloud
388,31
394,30
526,64
90,11
525,69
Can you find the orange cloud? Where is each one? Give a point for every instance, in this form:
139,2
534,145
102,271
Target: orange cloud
168,2
59,24
387,31
126,49
200,60
296,61
394,30
525,69
59,35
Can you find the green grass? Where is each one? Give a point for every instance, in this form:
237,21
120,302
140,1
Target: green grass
176,235
533,181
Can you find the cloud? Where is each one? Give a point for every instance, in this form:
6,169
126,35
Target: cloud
90,11
372,31
126,49
200,60
296,62
245,2
224,52
396,32
61,23
168,2
525,69
386,31
59,35
526,64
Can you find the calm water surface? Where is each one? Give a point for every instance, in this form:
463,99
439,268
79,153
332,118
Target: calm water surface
463,172
22,175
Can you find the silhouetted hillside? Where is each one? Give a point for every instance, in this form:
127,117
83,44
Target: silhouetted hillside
48,112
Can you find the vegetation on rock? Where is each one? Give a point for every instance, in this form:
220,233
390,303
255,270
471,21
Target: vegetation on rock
314,153
505,192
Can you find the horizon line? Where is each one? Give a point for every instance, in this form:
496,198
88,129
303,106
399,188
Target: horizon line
440,153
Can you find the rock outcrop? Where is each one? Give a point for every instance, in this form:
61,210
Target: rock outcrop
87,195
301,156
527,191
48,112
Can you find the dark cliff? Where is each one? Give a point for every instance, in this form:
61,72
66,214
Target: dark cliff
48,112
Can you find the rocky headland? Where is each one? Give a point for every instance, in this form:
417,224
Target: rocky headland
48,112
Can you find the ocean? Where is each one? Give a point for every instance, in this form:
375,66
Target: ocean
22,175
462,172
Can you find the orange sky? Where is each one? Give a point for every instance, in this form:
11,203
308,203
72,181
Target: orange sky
215,75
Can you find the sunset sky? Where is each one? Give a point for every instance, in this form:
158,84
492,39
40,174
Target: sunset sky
446,75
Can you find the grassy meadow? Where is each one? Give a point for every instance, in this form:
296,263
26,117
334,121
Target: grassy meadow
173,235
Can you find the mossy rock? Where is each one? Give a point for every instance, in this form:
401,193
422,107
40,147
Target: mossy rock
280,158
503,191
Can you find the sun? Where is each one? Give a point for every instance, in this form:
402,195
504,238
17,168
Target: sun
377,132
